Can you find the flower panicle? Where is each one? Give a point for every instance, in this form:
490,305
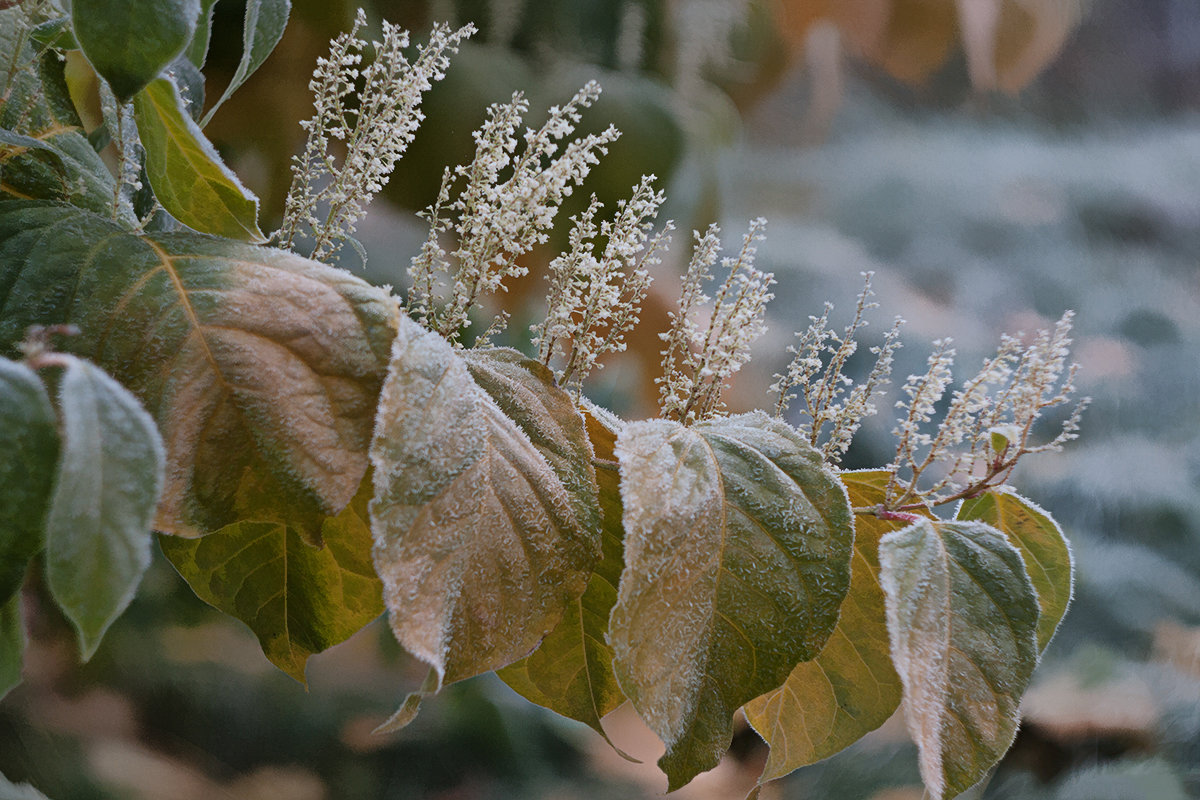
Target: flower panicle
988,423
594,300
372,112
816,371
697,361
506,201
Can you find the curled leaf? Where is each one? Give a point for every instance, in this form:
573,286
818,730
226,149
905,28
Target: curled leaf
738,545
481,535
962,619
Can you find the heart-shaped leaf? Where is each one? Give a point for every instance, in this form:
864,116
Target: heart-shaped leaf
129,42
571,671
851,688
248,358
29,444
962,619
484,517
298,599
12,644
109,476
187,175
1042,544
737,558
262,29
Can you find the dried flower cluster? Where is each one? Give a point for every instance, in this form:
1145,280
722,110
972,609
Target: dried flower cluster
987,424
506,205
816,372
374,111
698,360
594,300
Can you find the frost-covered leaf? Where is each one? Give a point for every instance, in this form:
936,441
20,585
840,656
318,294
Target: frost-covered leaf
737,557
249,358
12,645
44,153
110,472
197,49
187,175
571,671
962,620
29,444
298,599
262,29
129,42
851,688
484,516
1042,544
18,791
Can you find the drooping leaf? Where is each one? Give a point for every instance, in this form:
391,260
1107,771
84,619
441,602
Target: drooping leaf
481,537
298,599
261,31
248,358
187,175
129,42
29,444
962,620
571,671
197,49
109,475
851,688
44,153
737,558
12,644
1042,544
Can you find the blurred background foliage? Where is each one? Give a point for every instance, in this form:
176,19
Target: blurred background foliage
994,161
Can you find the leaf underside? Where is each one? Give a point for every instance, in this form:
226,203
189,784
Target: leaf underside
851,688
962,619
248,358
298,599
738,545
484,518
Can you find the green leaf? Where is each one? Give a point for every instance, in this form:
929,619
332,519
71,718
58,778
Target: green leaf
129,42
29,443
1042,544
962,619
851,688
484,517
738,542
187,175
261,31
197,49
12,647
571,671
249,359
298,599
55,33
44,153
109,476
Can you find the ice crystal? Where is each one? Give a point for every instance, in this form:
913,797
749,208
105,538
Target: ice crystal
373,113
697,361
506,205
594,300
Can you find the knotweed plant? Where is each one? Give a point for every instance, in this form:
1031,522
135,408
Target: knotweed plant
309,443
